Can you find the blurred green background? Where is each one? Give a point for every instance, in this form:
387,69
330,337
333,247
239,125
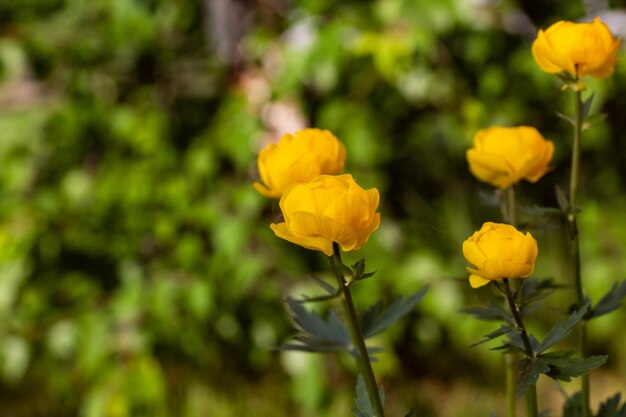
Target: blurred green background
138,274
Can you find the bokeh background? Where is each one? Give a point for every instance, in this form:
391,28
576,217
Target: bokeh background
138,274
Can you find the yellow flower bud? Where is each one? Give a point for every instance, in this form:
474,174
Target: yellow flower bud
502,156
298,157
577,48
328,209
499,251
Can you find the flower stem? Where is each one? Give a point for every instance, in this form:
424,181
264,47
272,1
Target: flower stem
507,206
575,242
357,334
531,394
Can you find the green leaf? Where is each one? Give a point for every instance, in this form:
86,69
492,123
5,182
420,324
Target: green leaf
324,285
541,211
315,333
358,268
411,412
501,331
611,408
561,329
364,406
491,312
594,120
562,199
611,301
564,367
567,118
573,406
587,106
534,290
375,320
530,369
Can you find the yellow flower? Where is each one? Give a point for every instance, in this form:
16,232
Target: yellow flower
298,157
577,48
499,251
326,210
502,156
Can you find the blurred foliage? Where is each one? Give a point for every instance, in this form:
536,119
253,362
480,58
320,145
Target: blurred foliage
138,276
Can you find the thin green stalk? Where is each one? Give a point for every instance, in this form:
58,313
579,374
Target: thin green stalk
575,241
507,206
531,393
357,334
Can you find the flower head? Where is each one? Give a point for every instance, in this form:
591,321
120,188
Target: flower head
577,48
328,209
502,156
499,251
298,157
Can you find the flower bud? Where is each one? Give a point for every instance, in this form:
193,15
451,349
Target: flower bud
499,251
328,209
576,48
298,157
502,156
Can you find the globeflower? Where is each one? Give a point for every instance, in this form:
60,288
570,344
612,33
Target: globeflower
298,157
499,251
502,156
577,48
328,209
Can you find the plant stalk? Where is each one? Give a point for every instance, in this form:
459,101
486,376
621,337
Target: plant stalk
507,206
575,243
357,334
531,393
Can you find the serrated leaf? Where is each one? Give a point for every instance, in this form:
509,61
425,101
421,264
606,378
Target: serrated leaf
611,301
315,333
561,329
491,312
564,367
587,106
611,408
567,118
530,369
374,320
501,331
362,401
534,290
573,406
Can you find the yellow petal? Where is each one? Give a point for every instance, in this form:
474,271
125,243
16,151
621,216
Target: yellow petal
476,281
315,243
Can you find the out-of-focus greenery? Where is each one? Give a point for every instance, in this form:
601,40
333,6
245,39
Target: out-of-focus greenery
138,275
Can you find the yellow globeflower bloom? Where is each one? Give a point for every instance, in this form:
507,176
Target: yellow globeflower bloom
499,251
502,156
328,209
577,48
298,157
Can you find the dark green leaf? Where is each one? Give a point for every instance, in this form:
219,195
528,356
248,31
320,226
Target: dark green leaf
611,408
490,312
611,301
530,369
564,367
362,401
573,406
411,412
501,331
587,106
541,211
358,268
534,290
317,334
375,319
561,329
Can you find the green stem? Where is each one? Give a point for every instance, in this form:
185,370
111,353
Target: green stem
575,242
357,334
531,393
507,206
